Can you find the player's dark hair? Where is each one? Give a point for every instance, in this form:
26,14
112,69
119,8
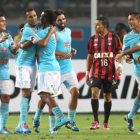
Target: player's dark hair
59,12
137,14
120,27
48,16
104,20
28,10
20,26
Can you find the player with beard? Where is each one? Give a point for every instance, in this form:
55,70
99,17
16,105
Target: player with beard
68,76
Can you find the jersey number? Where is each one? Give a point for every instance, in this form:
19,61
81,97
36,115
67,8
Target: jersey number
104,62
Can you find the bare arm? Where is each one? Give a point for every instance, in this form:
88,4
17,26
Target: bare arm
43,43
89,64
63,55
129,51
25,45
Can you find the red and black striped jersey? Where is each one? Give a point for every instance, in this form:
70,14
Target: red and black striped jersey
103,50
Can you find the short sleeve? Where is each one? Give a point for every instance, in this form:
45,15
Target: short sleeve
90,46
118,43
126,45
11,43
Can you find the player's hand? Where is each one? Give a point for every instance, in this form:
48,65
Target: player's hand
4,38
118,56
128,59
67,55
73,51
119,70
87,80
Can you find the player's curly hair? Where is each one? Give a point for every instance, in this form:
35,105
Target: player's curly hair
48,16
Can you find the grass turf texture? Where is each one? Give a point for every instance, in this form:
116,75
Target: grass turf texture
118,129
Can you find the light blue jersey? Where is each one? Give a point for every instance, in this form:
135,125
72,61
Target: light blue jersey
47,60
64,45
5,46
27,57
131,40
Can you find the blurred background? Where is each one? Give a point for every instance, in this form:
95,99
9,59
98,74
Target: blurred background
81,15
78,13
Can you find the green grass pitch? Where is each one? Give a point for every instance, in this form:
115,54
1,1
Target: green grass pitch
118,129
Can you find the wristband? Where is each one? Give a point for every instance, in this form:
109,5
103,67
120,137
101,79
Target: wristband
120,65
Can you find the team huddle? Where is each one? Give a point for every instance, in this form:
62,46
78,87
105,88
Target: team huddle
44,52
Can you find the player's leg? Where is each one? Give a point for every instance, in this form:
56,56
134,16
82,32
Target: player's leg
61,120
4,106
107,110
135,107
47,91
4,113
36,118
71,82
52,122
95,86
23,81
107,88
95,107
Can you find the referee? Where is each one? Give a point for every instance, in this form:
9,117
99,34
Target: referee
102,49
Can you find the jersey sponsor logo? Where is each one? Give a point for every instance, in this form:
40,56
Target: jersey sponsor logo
103,55
95,39
67,44
32,38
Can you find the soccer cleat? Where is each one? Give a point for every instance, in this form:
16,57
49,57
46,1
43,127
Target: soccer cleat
26,129
130,123
36,125
52,132
5,131
95,125
106,126
72,126
18,129
60,123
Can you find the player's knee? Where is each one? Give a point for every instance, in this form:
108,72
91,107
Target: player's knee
75,92
107,97
26,93
5,98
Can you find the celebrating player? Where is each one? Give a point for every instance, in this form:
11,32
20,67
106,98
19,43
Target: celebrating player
132,45
26,69
6,44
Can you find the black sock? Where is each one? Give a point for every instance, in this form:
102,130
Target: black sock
107,110
95,106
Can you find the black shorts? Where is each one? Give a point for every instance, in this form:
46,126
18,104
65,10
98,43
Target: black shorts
102,83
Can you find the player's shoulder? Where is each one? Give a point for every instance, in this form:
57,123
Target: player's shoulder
129,36
67,29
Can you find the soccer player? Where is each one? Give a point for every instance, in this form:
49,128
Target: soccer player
26,69
102,48
132,45
48,68
68,76
6,44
